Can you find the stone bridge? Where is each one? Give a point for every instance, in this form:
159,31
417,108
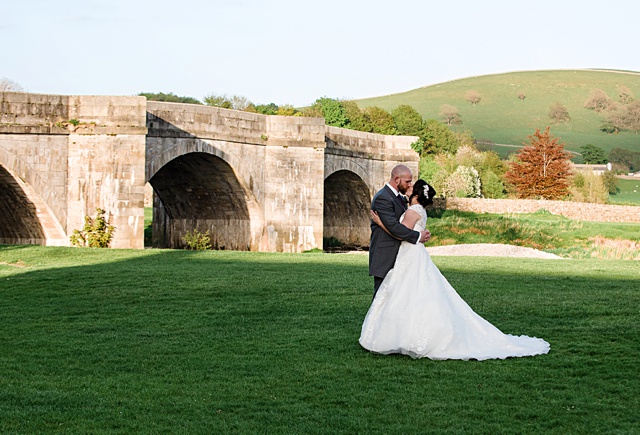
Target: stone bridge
255,182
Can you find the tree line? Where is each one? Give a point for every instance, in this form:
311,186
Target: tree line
450,159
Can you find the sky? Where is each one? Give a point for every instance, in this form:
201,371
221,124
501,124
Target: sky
295,51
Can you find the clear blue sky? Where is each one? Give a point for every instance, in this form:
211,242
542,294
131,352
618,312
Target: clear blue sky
294,51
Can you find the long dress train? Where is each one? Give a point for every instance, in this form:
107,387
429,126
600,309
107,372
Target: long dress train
417,312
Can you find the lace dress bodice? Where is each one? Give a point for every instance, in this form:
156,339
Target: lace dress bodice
421,224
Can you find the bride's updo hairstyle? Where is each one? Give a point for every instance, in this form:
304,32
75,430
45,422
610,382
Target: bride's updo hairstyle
424,192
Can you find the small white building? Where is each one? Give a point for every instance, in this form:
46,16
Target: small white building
596,169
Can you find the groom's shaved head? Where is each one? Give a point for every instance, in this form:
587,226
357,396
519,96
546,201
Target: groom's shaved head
400,171
401,178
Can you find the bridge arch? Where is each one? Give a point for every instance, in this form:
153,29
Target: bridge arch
199,190
347,200
335,164
24,217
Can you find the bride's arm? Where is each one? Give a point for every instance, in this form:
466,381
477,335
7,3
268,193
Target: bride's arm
375,218
410,219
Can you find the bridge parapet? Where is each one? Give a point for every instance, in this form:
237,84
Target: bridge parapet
342,141
205,122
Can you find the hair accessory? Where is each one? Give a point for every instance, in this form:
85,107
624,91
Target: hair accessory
426,191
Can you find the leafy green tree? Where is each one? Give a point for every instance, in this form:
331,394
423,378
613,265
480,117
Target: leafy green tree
492,186
286,110
267,109
216,100
408,121
437,138
628,160
428,168
491,162
358,117
589,187
593,155
170,97
611,182
332,110
381,120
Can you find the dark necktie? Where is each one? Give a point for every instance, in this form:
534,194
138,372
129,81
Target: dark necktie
401,199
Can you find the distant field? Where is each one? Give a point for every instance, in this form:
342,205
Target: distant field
629,192
504,119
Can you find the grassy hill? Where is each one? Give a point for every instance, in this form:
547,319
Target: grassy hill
503,118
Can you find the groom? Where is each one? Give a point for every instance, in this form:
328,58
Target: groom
390,206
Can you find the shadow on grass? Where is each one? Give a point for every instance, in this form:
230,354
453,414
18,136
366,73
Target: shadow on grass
114,340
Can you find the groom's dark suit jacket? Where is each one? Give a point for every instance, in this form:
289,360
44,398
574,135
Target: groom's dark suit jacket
383,248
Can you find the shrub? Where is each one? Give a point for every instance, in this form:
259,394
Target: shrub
589,187
492,187
610,182
96,233
463,183
197,241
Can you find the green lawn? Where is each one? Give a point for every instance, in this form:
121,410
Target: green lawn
159,341
504,119
629,192
541,230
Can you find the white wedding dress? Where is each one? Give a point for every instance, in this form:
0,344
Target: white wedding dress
417,312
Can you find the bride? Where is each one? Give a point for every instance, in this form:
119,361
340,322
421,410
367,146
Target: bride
417,312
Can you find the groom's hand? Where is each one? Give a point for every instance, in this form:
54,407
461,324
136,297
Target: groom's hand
425,236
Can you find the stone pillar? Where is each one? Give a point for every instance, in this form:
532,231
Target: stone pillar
294,183
106,166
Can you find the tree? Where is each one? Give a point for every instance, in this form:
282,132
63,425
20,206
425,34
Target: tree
267,109
333,111
464,182
611,182
542,168
8,85
407,120
559,113
593,155
450,115
492,187
598,100
286,110
625,94
473,97
358,118
381,120
589,187
216,100
170,97
438,138
632,116
626,159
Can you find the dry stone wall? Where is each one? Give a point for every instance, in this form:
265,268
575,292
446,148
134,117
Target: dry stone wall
581,211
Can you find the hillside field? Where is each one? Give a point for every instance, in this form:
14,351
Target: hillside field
501,117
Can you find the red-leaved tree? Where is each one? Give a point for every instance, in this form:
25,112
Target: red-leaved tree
542,168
